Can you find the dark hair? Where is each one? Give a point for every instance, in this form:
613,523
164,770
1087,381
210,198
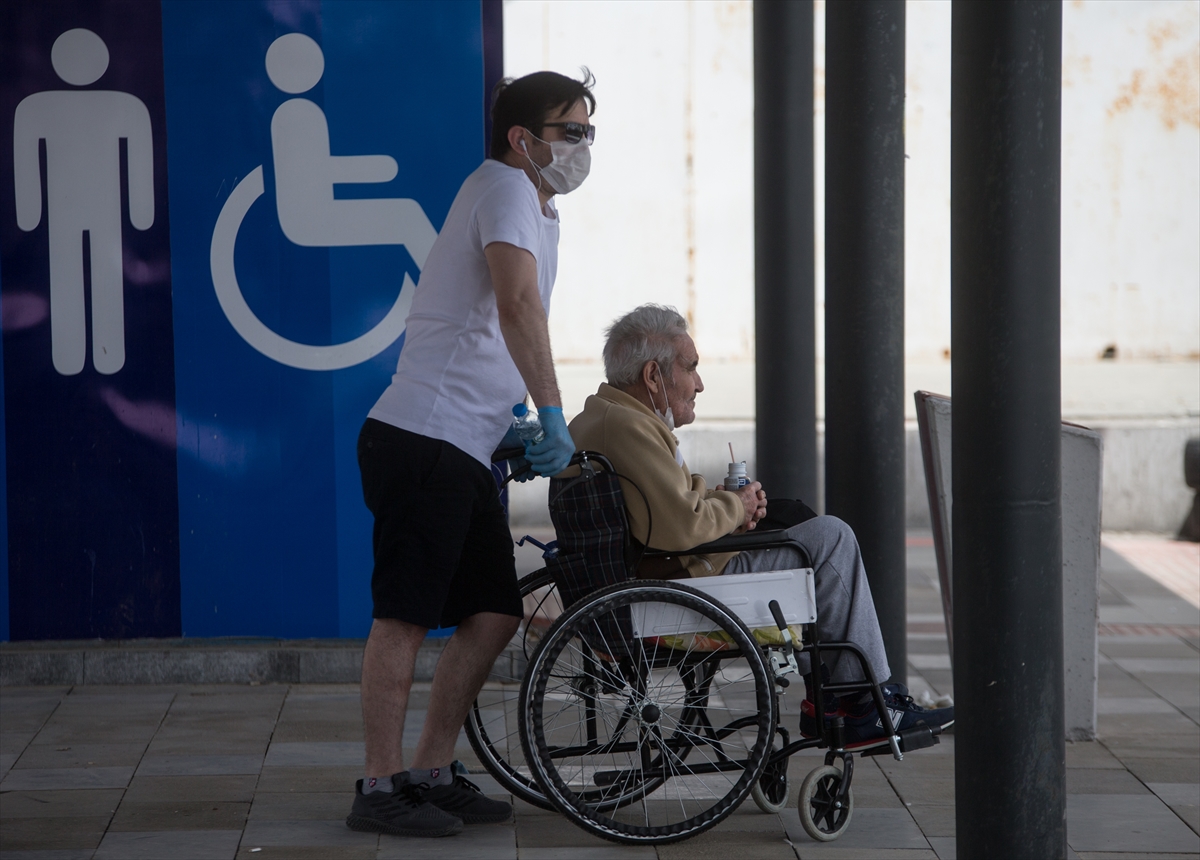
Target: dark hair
530,101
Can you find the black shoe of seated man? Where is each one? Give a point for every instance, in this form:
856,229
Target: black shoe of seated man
406,811
463,799
864,726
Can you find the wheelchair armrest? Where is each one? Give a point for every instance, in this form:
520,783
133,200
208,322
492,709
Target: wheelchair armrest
736,543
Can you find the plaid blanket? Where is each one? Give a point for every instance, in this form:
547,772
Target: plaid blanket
594,549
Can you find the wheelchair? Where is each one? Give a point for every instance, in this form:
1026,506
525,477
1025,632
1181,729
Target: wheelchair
645,710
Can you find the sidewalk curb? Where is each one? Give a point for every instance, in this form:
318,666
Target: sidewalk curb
205,661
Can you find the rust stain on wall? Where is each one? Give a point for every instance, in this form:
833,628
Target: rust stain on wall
1178,92
1129,94
1171,88
1162,32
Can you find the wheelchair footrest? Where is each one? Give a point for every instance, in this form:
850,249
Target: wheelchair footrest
916,738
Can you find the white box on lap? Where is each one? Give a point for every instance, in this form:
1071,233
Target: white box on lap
747,595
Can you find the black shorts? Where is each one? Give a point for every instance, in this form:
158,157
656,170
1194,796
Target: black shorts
443,550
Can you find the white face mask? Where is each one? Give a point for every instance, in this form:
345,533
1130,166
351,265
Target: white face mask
569,164
667,417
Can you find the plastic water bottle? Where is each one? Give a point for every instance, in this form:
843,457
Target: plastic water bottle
527,425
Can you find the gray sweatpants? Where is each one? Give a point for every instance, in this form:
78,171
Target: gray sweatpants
845,610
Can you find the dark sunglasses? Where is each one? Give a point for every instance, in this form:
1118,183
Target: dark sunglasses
574,132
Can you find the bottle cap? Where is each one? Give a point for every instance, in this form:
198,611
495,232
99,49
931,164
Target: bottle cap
520,410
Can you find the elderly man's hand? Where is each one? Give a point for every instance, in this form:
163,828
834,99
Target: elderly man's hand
754,501
762,506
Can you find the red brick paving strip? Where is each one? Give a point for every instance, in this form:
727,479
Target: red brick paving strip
1106,629
1118,629
1173,563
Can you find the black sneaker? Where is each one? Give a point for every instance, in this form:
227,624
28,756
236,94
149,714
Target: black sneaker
404,812
864,726
463,799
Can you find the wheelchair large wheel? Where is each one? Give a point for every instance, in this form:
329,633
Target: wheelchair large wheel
653,738
492,724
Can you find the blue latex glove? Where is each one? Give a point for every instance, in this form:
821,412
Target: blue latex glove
552,454
517,465
512,440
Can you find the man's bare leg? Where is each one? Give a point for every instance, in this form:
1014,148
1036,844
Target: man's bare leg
387,675
460,674
388,663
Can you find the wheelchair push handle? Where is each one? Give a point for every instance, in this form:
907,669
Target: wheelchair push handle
777,614
781,622
584,459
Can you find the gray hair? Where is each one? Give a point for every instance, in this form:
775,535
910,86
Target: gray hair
646,333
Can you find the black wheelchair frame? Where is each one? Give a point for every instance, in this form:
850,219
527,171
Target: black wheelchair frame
825,802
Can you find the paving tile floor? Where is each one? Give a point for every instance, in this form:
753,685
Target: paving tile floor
267,771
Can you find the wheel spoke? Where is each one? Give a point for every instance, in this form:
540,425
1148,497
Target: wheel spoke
493,723
675,712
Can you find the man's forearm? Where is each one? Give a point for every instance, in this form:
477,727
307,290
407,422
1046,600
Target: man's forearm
523,319
527,336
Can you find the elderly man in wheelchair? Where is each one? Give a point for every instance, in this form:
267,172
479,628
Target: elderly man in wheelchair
651,365
648,709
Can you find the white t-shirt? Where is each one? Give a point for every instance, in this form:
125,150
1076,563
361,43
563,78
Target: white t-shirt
455,379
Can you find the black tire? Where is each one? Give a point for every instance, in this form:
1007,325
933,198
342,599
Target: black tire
822,815
492,723
684,731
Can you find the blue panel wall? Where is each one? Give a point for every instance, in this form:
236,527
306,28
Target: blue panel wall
210,486
274,536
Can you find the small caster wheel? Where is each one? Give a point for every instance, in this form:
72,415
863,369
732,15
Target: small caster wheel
771,790
823,816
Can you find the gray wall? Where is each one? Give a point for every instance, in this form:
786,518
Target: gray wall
1143,488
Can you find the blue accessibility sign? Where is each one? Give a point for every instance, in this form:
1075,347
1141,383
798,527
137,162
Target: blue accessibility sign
219,214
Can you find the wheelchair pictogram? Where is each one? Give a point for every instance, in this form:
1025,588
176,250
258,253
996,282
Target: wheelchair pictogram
309,215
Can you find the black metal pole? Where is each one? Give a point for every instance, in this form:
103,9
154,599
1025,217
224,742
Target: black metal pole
864,296
1010,769
491,15
784,250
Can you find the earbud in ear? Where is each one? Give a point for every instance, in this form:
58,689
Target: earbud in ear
524,147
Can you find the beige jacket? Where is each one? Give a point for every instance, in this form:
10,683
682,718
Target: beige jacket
684,513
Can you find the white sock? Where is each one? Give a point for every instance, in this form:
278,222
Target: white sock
377,783
432,776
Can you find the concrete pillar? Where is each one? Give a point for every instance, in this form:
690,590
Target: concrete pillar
1082,470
